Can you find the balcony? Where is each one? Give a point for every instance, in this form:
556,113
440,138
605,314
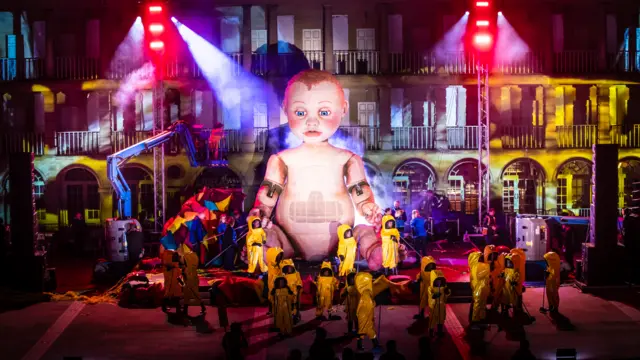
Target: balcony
575,62
356,62
413,138
577,136
626,138
462,137
522,137
368,136
78,143
21,142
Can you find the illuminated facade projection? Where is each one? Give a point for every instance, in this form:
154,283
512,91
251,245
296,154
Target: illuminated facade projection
77,85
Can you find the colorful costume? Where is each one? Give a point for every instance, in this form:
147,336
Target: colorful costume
438,294
552,280
282,306
351,298
481,289
171,272
295,285
366,309
191,291
390,240
274,257
347,247
326,286
427,264
256,238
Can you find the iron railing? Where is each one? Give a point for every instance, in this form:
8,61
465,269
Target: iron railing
522,137
577,136
462,137
413,138
15,142
78,142
356,62
628,137
575,62
369,136
261,136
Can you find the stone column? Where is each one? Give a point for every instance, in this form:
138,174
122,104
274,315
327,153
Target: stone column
383,36
440,93
384,101
505,106
546,97
327,23
246,37
604,118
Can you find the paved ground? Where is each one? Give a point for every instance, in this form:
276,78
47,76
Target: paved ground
602,330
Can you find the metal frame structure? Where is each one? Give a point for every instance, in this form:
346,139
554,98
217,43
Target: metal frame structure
484,181
159,189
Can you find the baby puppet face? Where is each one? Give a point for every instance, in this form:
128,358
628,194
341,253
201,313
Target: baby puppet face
315,113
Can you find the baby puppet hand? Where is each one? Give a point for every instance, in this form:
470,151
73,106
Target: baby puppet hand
371,212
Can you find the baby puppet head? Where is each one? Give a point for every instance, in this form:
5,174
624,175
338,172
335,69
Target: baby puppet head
314,103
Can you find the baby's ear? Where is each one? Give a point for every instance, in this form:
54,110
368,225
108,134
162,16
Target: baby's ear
345,107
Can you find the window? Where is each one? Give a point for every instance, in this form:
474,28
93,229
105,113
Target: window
411,180
574,186
523,187
463,186
367,115
258,39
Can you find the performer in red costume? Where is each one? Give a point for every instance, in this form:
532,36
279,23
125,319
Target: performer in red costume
316,186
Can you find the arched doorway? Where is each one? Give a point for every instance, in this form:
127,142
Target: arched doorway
38,195
463,186
82,196
140,182
628,173
523,187
410,180
574,187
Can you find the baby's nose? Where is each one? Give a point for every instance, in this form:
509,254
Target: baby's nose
312,121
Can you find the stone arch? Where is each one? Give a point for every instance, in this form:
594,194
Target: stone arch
411,179
628,173
462,185
523,189
573,193
140,181
80,194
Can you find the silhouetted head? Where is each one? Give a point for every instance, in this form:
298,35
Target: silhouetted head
392,346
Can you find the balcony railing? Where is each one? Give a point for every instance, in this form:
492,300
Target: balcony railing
121,140
575,62
78,142
577,136
523,137
261,135
356,62
626,138
232,140
368,135
413,138
462,137
520,64
12,142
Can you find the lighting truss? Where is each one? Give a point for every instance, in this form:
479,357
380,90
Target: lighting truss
484,183
159,190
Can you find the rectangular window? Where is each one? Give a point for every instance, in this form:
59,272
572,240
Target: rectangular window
93,39
258,39
260,118
508,198
340,24
561,197
396,45
397,107
455,193
366,39
230,34
311,40
286,31
367,115
558,32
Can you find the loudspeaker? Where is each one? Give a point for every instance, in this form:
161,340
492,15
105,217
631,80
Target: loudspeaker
24,222
604,203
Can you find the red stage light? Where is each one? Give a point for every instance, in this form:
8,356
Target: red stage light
156,28
482,41
155,8
482,23
156,45
482,3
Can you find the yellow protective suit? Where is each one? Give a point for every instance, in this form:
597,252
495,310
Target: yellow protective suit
481,275
427,265
293,281
326,286
282,306
256,238
390,241
351,297
347,247
497,281
438,294
552,281
171,272
366,306
473,260
274,257
510,295
191,282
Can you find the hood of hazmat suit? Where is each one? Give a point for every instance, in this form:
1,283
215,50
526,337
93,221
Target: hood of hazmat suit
553,262
345,232
388,223
274,257
427,264
326,270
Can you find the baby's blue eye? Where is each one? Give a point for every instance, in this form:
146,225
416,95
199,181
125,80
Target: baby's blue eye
325,112
300,113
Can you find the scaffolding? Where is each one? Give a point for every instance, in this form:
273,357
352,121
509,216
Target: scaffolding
159,189
484,182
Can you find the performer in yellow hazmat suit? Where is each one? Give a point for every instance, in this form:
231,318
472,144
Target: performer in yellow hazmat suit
511,279
552,280
191,291
171,271
295,285
427,264
366,309
256,239
481,276
473,260
282,306
347,248
350,299
519,264
274,257
390,242
326,285
497,281
438,294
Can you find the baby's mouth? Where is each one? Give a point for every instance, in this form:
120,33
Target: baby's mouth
312,133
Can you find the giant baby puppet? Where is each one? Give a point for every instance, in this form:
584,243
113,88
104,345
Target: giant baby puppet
316,186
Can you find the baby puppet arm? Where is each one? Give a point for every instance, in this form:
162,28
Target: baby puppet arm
272,186
360,190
